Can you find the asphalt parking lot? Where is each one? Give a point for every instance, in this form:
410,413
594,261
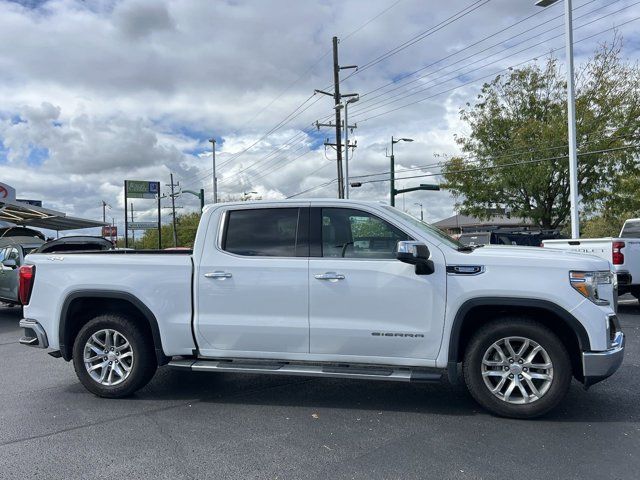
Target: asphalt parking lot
188,426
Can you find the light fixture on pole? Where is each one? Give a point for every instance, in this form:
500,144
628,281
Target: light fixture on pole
215,180
346,141
421,212
571,115
392,172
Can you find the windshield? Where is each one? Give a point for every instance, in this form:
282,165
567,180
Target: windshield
631,229
425,227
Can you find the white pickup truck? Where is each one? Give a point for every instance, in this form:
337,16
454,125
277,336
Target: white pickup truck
622,252
330,288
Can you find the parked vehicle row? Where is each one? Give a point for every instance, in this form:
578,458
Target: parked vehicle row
333,288
622,252
14,249
508,236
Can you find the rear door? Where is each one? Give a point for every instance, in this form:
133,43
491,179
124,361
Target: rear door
363,302
252,283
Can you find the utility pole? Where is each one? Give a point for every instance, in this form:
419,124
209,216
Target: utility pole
337,98
133,232
173,209
215,179
421,211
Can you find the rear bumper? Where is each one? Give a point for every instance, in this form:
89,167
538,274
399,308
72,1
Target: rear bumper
597,366
34,334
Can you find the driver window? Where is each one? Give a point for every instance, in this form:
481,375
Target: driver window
349,233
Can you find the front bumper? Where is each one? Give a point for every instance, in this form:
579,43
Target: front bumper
34,334
597,366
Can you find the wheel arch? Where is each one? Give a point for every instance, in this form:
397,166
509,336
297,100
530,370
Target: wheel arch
82,305
475,312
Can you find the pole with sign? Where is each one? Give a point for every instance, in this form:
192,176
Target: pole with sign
141,189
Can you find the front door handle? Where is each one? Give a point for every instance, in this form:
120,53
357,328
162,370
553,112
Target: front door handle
221,275
331,276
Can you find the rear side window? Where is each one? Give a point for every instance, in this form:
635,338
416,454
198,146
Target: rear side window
265,232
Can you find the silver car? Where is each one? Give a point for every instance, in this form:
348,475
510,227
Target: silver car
12,253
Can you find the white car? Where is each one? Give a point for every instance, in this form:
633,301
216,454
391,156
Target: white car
622,252
330,288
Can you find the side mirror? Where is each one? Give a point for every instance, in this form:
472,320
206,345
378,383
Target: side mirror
10,263
415,253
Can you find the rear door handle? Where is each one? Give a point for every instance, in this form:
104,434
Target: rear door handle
330,276
221,275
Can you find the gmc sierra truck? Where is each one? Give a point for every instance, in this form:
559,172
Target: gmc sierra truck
330,288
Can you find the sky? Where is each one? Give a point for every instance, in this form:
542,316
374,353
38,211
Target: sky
96,92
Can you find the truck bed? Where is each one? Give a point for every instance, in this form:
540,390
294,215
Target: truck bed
161,280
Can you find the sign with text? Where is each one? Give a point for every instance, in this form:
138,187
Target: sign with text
142,225
146,190
142,189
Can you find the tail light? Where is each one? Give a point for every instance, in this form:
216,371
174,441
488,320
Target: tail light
617,255
26,275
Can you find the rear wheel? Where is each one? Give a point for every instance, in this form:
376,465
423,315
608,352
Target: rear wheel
517,368
113,357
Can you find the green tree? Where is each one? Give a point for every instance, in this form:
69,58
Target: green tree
516,151
187,225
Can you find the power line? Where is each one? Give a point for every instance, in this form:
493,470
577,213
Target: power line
421,36
528,151
366,105
493,167
401,96
491,74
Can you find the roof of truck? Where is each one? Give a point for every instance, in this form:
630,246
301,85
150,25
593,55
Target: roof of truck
298,201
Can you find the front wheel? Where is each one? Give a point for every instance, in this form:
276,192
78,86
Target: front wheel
517,368
113,357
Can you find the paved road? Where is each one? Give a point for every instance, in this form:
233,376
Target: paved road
188,426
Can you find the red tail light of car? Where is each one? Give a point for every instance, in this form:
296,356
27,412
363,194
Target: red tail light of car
26,276
617,255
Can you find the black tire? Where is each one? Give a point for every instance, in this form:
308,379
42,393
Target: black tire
511,326
144,362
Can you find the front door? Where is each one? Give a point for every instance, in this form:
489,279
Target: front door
363,302
252,284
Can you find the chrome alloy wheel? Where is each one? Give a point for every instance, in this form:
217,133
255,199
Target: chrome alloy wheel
108,357
517,370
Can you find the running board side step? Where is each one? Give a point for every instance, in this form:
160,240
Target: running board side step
363,372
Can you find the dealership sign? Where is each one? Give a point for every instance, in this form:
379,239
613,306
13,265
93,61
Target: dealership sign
142,189
7,193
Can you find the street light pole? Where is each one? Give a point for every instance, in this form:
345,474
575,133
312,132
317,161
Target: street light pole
392,172
571,115
214,180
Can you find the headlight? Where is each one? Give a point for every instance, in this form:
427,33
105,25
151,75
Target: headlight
586,284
